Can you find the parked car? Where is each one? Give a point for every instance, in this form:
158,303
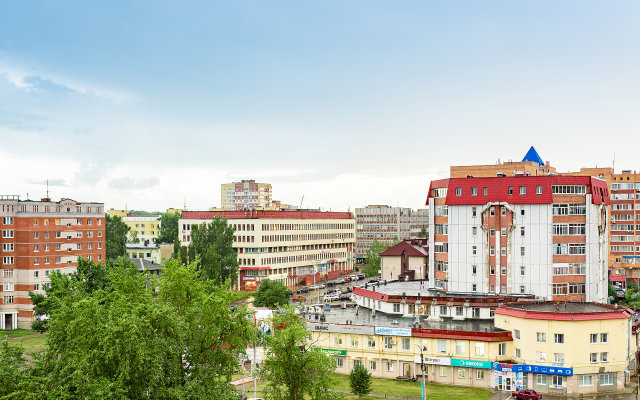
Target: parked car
347,279
339,281
526,394
331,283
330,297
304,289
345,297
320,286
297,298
360,276
353,277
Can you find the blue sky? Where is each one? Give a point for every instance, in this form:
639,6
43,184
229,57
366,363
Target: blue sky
150,104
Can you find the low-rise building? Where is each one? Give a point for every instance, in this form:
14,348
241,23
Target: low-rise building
406,261
147,250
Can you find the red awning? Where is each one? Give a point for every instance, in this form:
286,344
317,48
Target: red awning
617,278
252,268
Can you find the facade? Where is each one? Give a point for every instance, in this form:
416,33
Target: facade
146,228
39,237
545,235
578,348
246,195
387,224
407,260
289,246
150,251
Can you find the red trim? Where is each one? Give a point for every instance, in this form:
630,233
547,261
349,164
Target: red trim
462,335
252,268
370,294
617,278
412,251
255,214
621,313
437,184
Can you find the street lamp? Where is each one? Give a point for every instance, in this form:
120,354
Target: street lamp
423,368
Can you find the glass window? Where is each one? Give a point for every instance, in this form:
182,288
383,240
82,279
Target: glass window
585,380
604,338
480,375
541,337
593,338
461,373
460,348
443,371
593,357
442,346
558,338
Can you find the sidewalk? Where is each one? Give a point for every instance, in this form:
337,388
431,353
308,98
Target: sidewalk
603,396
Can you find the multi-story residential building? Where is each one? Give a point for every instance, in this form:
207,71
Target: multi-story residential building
289,246
545,235
39,237
247,195
143,227
387,224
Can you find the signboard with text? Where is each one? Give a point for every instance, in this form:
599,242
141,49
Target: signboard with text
339,328
433,360
331,352
537,369
457,362
380,330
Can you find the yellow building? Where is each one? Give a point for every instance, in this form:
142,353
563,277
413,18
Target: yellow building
146,228
567,348
117,213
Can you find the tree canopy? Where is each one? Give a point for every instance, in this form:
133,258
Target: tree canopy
360,380
373,256
116,236
168,227
424,232
271,294
122,340
292,370
212,243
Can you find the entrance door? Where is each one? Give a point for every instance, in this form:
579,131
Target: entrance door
8,321
508,383
406,369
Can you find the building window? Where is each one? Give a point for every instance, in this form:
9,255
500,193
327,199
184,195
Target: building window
492,212
523,190
558,338
474,230
503,270
585,380
522,231
604,338
541,337
522,270
474,269
516,353
474,191
443,371
510,189
558,358
388,343
503,231
480,375
406,344
492,251
443,310
389,366
538,189
337,341
474,250
460,349
503,212
474,288
354,341
492,232
371,342
492,270
502,349
522,212
372,365
604,356
485,191
396,308
461,373
541,379
459,311
523,289
503,250
442,346
458,191
557,380
593,357
339,362
475,312
474,212
606,379
516,333
522,251
593,338
8,299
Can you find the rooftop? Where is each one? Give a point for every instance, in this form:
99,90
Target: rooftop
420,288
569,311
258,214
569,307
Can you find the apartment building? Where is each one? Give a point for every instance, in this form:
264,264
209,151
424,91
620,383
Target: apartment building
387,224
289,246
39,237
545,235
246,195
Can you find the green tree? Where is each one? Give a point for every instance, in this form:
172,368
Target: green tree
424,232
271,294
168,227
360,380
133,237
292,370
373,258
116,237
12,367
211,244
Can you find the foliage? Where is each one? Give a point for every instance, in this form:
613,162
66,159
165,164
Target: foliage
360,380
133,237
180,252
372,267
12,365
294,371
271,294
424,232
168,227
116,236
211,244
612,293
140,213
110,337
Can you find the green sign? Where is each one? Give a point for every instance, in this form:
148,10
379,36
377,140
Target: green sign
456,362
334,352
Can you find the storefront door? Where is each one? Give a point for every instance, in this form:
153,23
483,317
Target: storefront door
508,383
406,369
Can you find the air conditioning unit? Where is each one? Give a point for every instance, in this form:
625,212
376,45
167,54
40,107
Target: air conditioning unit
393,341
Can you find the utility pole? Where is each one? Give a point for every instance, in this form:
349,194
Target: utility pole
423,368
253,373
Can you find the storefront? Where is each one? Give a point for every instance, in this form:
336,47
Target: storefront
510,377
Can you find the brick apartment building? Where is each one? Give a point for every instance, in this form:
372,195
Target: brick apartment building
39,237
288,246
246,195
545,235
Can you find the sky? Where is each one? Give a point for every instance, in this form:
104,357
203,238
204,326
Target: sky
153,104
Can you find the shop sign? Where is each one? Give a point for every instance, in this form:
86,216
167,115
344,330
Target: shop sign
278,276
331,352
433,360
456,362
338,328
380,330
537,369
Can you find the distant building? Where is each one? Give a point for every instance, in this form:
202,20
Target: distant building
146,228
406,261
150,251
386,224
288,246
246,195
40,237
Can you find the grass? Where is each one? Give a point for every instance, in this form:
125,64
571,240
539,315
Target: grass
32,344
13,333
401,388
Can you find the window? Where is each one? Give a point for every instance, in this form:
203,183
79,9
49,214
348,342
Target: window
593,357
7,234
485,191
593,338
474,191
604,338
503,212
443,371
557,380
36,261
371,342
475,312
522,270
7,273
396,308
354,341
442,346
459,311
474,212
372,365
503,269
36,274
474,250
585,380
388,343
522,212
522,231
8,299
516,333
541,337
523,190
461,373
503,231
460,347
523,289
480,375
492,251
492,270
337,341
406,344
558,358
7,247
492,232
503,250
7,287
522,251
510,189
7,260
606,379
604,356
558,338
7,220
502,349
538,189
458,191
474,269
541,379
492,212
37,285
339,362
474,230
516,353
474,287
479,349
443,310
389,366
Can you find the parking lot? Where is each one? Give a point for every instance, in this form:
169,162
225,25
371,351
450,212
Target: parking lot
316,295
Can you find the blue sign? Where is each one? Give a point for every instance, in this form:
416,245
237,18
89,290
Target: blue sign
536,369
379,330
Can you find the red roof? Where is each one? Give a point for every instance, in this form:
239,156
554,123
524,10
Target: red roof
498,189
413,250
613,313
255,214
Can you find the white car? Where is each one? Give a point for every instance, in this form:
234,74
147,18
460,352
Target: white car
330,297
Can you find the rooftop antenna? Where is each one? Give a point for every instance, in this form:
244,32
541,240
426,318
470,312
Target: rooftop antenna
47,188
185,204
614,163
301,202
